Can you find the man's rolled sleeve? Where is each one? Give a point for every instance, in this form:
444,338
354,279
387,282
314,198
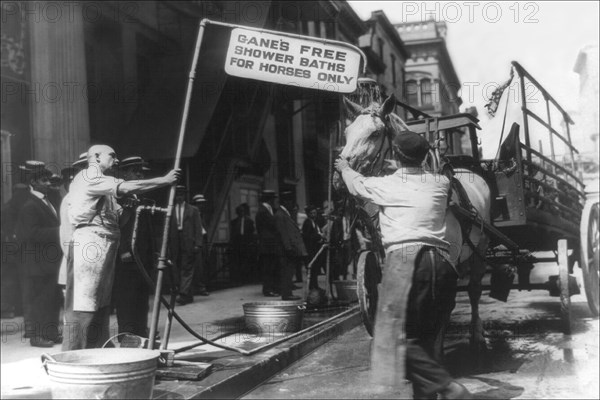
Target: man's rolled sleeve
359,185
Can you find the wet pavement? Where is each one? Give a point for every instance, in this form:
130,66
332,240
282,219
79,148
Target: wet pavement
219,317
525,356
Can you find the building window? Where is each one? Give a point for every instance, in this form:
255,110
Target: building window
426,97
380,41
393,69
412,93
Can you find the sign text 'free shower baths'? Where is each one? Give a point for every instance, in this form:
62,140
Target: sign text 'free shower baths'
292,61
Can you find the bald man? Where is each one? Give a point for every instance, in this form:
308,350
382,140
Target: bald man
94,212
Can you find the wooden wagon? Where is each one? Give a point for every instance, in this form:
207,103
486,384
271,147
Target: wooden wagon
539,200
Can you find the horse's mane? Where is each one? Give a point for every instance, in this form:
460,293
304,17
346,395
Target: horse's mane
396,123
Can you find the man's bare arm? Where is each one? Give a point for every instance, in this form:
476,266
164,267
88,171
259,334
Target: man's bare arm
145,185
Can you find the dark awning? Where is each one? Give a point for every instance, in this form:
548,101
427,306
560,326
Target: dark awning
154,127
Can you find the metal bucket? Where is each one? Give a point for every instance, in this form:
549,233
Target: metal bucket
346,290
120,373
274,316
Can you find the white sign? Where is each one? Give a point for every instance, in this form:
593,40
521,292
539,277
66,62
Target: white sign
292,61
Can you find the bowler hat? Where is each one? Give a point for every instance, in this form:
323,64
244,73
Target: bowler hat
199,198
68,173
268,194
411,147
180,189
309,208
56,179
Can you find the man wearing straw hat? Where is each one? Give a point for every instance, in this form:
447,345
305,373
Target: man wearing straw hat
66,228
37,230
95,213
131,292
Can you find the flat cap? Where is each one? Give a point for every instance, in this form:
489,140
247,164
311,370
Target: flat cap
411,146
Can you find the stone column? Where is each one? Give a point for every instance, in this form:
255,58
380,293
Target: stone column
60,118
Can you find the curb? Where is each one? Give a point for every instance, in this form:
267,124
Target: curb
240,374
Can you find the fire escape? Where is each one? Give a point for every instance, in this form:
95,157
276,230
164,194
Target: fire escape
231,145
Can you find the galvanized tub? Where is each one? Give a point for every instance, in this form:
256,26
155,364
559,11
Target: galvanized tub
274,316
120,373
346,290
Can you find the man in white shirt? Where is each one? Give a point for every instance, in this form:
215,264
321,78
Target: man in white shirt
419,286
95,213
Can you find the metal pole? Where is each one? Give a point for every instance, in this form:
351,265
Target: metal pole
329,223
162,265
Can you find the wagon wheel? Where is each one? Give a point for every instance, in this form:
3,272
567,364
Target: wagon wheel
368,276
563,285
590,252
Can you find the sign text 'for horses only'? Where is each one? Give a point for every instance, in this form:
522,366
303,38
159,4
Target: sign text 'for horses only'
292,61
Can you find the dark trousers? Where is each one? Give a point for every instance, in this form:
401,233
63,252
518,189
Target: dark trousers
241,263
341,258
316,268
11,286
41,306
271,274
131,295
199,271
416,298
288,267
185,262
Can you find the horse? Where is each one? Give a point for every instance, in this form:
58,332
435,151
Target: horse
369,150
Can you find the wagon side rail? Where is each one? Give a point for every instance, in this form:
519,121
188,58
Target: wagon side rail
571,176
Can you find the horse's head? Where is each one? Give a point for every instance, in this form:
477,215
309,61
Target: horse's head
369,137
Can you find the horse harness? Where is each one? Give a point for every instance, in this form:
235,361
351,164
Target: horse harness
386,135
465,203
455,186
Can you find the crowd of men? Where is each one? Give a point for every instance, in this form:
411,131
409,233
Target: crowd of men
67,243
82,240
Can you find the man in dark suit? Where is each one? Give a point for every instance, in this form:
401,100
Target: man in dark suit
294,251
199,201
270,247
10,280
37,231
130,291
313,240
343,241
185,243
242,239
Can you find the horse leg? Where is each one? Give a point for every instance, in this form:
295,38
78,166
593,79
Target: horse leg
476,272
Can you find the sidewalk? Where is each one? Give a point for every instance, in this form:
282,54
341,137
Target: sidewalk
214,316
